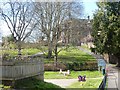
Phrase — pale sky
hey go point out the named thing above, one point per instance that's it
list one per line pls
(89, 8)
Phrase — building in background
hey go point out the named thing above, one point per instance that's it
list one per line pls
(77, 32)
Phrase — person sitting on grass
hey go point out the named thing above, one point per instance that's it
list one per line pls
(84, 78)
(81, 78)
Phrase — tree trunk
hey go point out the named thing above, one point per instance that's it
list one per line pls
(112, 59)
(19, 47)
(118, 63)
(56, 56)
(49, 48)
(49, 52)
(19, 51)
(118, 59)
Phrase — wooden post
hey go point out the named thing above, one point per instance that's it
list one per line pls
(13, 83)
(40, 76)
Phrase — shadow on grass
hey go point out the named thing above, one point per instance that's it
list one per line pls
(35, 84)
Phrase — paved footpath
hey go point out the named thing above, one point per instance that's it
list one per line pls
(61, 82)
(113, 77)
(64, 82)
(113, 72)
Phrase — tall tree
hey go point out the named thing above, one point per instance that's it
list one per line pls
(51, 16)
(106, 31)
(19, 18)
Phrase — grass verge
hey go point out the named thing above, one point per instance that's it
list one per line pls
(34, 84)
(89, 83)
(14, 52)
(73, 74)
(72, 54)
(93, 79)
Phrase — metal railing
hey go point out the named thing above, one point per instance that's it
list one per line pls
(103, 83)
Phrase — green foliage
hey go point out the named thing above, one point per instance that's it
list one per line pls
(84, 65)
(6, 56)
(4, 87)
(10, 38)
(92, 50)
(12, 45)
(107, 21)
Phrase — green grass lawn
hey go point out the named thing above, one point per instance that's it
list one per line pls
(14, 52)
(89, 83)
(34, 84)
(93, 78)
(72, 54)
(73, 74)
(68, 56)
(85, 47)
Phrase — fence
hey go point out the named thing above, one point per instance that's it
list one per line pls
(19, 69)
(103, 83)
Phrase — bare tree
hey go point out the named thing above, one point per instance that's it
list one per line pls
(19, 18)
(51, 16)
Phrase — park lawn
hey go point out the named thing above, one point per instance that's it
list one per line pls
(93, 78)
(35, 84)
(74, 54)
(85, 47)
(89, 83)
(73, 74)
(14, 52)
